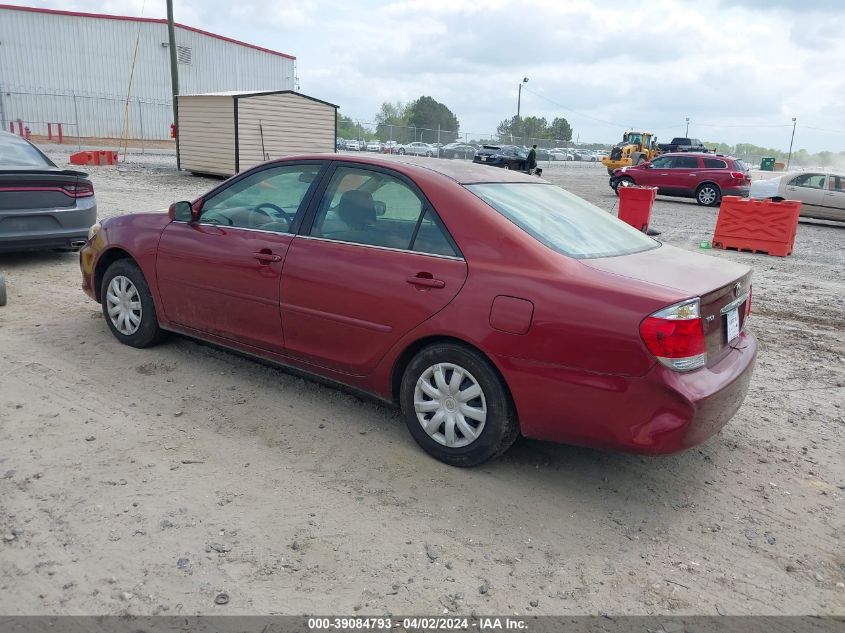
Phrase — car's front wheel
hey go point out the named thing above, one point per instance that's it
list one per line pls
(128, 305)
(506, 165)
(401, 151)
(456, 406)
(708, 195)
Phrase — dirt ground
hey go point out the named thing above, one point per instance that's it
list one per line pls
(149, 481)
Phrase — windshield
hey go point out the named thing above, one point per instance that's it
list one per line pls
(16, 152)
(633, 138)
(562, 221)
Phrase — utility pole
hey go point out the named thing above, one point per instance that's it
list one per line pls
(174, 74)
(790, 144)
(687, 132)
(519, 96)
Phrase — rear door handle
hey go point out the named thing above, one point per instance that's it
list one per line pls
(267, 256)
(426, 282)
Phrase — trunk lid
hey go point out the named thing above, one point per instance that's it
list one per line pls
(722, 286)
(29, 188)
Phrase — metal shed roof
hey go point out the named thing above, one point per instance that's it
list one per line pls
(105, 16)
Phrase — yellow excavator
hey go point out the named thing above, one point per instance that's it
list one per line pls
(635, 148)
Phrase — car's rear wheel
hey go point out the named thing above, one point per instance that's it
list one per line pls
(625, 181)
(708, 195)
(456, 406)
(401, 151)
(429, 154)
(506, 166)
(128, 305)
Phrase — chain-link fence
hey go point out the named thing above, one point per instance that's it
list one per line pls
(44, 113)
(359, 135)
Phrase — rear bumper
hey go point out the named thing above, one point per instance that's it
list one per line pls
(661, 412)
(72, 239)
(742, 192)
(39, 229)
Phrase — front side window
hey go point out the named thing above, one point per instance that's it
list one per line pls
(663, 162)
(563, 221)
(376, 209)
(266, 200)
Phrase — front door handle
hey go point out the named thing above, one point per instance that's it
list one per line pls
(426, 282)
(266, 256)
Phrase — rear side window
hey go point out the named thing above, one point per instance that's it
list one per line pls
(562, 221)
(741, 166)
(715, 163)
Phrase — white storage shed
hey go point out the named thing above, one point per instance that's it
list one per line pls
(223, 133)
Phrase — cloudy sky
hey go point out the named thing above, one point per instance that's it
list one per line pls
(739, 69)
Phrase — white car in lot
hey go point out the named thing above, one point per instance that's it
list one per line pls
(373, 146)
(560, 153)
(352, 146)
(822, 195)
(417, 148)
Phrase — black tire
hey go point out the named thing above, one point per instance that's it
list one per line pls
(500, 428)
(401, 151)
(2, 291)
(506, 166)
(628, 182)
(429, 154)
(708, 195)
(148, 332)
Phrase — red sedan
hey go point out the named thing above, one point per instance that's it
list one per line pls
(486, 303)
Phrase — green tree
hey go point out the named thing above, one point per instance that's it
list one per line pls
(432, 121)
(346, 127)
(560, 130)
(392, 122)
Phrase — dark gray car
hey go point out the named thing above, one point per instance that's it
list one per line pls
(42, 206)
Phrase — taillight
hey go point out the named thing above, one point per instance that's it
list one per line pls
(675, 336)
(79, 190)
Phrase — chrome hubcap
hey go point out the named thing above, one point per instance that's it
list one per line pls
(450, 405)
(707, 195)
(124, 305)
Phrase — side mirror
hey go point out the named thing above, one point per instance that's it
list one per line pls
(647, 165)
(183, 212)
(381, 207)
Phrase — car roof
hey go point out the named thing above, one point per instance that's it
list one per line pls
(462, 172)
(700, 155)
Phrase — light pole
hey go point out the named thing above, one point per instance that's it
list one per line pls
(789, 158)
(519, 97)
(174, 75)
(687, 132)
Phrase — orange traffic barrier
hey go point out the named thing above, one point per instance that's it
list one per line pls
(758, 226)
(96, 157)
(635, 205)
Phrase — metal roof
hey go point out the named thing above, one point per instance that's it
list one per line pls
(105, 16)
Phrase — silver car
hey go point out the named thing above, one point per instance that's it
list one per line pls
(42, 206)
(822, 194)
(418, 148)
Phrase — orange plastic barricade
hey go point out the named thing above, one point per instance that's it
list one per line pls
(635, 206)
(83, 158)
(758, 226)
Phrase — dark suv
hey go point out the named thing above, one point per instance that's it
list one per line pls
(705, 177)
(505, 156)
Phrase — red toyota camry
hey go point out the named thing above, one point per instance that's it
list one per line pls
(485, 302)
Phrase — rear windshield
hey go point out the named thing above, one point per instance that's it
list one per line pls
(562, 221)
(16, 152)
(740, 165)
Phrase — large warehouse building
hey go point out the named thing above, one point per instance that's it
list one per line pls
(75, 69)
